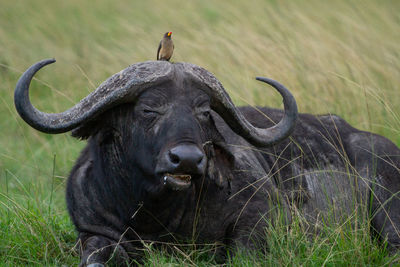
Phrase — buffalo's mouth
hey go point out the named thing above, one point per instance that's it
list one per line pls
(177, 181)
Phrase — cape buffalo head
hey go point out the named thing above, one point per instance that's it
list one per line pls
(154, 120)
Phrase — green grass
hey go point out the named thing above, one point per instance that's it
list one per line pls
(339, 57)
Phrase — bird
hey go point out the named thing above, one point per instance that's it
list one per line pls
(165, 48)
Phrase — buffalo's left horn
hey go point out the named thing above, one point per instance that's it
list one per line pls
(223, 105)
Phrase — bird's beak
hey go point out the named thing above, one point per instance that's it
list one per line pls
(169, 34)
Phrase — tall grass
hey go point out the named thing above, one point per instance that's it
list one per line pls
(336, 57)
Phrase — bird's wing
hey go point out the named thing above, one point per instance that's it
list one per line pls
(158, 51)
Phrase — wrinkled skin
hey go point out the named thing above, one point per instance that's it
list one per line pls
(116, 191)
(118, 200)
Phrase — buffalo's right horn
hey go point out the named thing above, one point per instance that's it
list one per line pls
(118, 89)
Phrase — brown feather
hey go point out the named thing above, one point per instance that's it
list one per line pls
(165, 48)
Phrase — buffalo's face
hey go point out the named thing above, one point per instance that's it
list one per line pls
(171, 123)
(162, 137)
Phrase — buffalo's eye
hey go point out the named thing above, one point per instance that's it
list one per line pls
(151, 112)
(206, 114)
(150, 115)
(203, 114)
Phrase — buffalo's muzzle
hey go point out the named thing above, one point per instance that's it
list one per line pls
(180, 163)
(185, 158)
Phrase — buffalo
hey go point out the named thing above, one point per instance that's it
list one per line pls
(169, 158)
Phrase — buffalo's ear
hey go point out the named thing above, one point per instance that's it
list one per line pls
(220, 165)
(86, 130)
(215, 124)
(220, 160)
(103, 132)
(108, 136)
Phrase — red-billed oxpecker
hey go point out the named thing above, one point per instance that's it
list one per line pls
(165, 48)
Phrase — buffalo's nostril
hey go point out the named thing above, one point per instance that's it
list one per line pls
(186, 158)
(174, 158)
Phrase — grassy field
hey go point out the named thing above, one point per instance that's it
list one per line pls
(339, 57)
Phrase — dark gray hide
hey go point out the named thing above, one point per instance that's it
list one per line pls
(169, 123)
